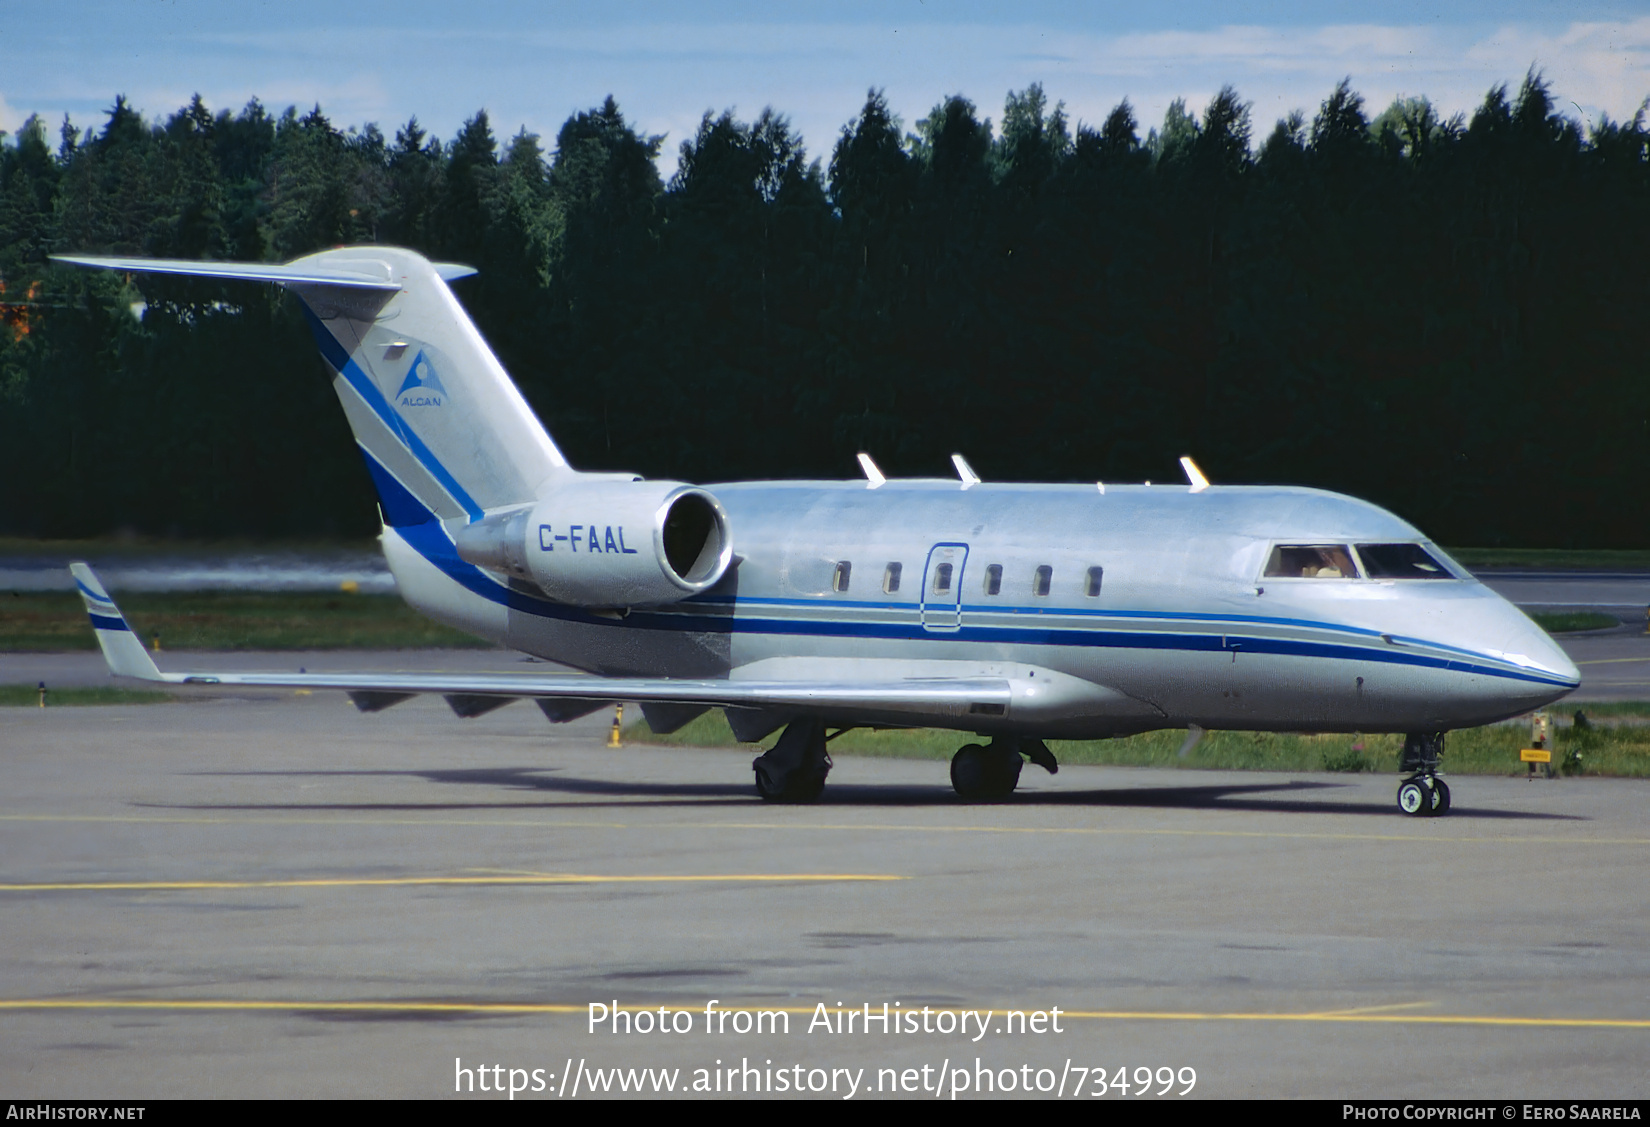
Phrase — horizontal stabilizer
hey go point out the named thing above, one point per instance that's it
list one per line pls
(243, 271)
(279, 273)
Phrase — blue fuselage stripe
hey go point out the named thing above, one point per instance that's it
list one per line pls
(335, 355)
(431, 540)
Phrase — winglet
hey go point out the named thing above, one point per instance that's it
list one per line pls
(1194, 476)
(122, 648)
(873, 476)
(965, 472)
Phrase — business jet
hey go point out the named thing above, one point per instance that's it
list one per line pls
(1015, 613)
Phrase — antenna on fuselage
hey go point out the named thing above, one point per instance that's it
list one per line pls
(1194, 476)
(873, 476)
(965, 471)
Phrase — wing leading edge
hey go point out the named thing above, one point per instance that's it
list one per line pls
(878, 692)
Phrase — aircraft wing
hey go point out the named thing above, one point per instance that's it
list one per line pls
(882, 695)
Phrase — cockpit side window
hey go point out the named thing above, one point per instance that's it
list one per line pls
(1311, 561)
(1401, 561)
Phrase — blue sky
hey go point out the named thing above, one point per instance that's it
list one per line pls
(531, 65)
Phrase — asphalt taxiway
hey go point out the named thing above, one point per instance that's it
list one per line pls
(282, 897)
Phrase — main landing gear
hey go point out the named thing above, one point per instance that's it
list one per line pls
(794, 769)
(1422, 794)
(990, 772)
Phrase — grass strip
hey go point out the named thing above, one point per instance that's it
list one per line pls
(163, 547)
(229, 620)
(27, 696)
(1554, 559)
(1621, 749)
(1562, 622)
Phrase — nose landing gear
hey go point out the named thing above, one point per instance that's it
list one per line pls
(1423, 794)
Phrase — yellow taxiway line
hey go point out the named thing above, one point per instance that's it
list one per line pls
(1343, 1017)
(516, 879)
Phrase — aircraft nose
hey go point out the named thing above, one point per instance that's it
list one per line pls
(1528, 645)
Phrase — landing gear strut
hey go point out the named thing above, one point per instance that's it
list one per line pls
(794, 769)
(987, 773)
(1422, 794)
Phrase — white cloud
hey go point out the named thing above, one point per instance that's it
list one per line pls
(10, 119)
(1602, 67)
(665, 74)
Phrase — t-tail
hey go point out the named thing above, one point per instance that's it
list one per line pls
(474, 489)
(445, 432)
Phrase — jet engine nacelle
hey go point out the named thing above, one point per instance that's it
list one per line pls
(613, 543)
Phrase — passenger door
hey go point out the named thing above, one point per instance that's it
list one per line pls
(942, 580)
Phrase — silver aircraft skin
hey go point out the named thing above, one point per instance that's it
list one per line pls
(1018, 612)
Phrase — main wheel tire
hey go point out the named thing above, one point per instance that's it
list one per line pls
(1006, 764)
(799, 785)
(985, 774)
(1414, 798)
(770, 789)
(968, 772)
(1440, 798)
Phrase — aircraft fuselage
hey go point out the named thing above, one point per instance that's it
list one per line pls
(1157, 594)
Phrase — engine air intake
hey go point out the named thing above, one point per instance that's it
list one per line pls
(608, 542)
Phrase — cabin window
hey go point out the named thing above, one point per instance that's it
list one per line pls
(994, 579)
(942, 579)
(1400, 561)
(1092, 588)
(1311, 561)
(890, 579)
(1042, 580)
(839, 577)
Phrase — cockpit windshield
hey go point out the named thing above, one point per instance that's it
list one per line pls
(1401, 561)
(1311, 561)
(1363, 561)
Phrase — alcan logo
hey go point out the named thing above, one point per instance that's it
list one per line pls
(422, 387)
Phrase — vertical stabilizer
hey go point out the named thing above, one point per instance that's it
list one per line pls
(445, 431)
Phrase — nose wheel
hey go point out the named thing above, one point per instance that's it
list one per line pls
(1423, 794)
